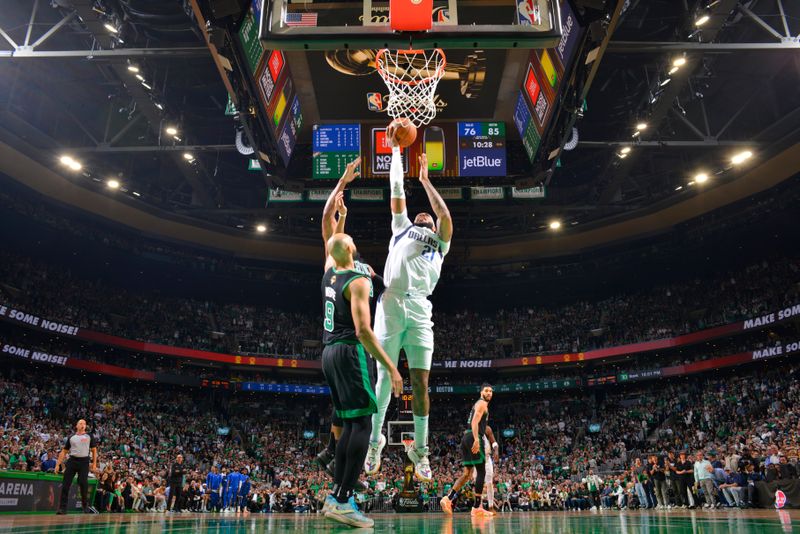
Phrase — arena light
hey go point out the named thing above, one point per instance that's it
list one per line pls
(701, 178)
(110, 27)
(679, 62)
(665, 82)
(261, 228)
(136, 194)
(188, 156)
(555, 225)
(70, 162)
(622, 155)
(113, 184)
(171, 130)
(159, 106)
(702, 19)
(140, 77)
(673, 70)
(741, 157)
(642, 126)
(147, 85)
(679, 188)
(133, 68)
(625, 150)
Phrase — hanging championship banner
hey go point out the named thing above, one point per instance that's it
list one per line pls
(278, 195)
(367, 195)
(318, 195)
(451, 193)
(487, 193)
(528, 192)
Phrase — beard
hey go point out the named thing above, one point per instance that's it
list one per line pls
(428, 225)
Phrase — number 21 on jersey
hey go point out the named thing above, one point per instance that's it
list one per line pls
(428, 252)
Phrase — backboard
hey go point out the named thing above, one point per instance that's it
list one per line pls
(358, 24)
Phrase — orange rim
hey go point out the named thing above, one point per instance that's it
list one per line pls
(394, 79)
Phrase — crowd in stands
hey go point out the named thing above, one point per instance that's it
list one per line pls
(229, 327)
(556, 459)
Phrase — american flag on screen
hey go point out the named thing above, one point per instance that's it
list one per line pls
(301, 19)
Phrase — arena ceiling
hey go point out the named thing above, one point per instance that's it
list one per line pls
(67, 85)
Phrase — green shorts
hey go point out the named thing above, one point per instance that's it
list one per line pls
(350, 374)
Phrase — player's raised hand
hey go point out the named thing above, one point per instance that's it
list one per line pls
(351, 172)
(341, 209)
(391, 133)
(397, 382)
(423, 167)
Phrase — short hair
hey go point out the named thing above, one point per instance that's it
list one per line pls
(486, 385)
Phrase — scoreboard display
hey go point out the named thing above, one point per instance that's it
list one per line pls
(334, 146)
(464, 149)
(482, 148)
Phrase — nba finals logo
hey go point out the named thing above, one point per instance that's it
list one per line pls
(375, 102)
(780, 499)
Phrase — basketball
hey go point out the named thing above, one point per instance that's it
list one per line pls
(404, 131)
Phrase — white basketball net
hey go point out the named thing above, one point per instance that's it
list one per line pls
(412, 77)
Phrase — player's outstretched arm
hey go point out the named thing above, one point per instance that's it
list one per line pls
(341, 210)
(444, 224)
(359, 308)
(329, 222)
(397, 191)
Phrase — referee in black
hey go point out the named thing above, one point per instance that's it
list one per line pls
(177, 474)
(78, 446)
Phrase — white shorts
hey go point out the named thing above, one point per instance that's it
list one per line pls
(405, 323)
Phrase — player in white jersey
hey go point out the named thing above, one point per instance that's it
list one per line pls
(403, 315)
(492, 452)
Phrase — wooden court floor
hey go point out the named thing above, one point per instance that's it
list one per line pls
(677, 521)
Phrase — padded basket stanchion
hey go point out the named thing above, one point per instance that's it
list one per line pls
(411, 15)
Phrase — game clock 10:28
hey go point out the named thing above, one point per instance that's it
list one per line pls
(482, 134)
(482, 148)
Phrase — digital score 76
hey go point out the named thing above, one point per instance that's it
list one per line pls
(482, 148)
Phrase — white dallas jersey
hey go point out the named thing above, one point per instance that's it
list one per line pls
(415, 258)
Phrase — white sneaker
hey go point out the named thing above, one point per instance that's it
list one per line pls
(422, 466)
(372, 464)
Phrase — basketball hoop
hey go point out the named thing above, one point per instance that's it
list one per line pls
(412, 77)
(407, 439)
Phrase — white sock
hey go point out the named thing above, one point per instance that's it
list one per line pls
(421, 432)
(383, 395)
